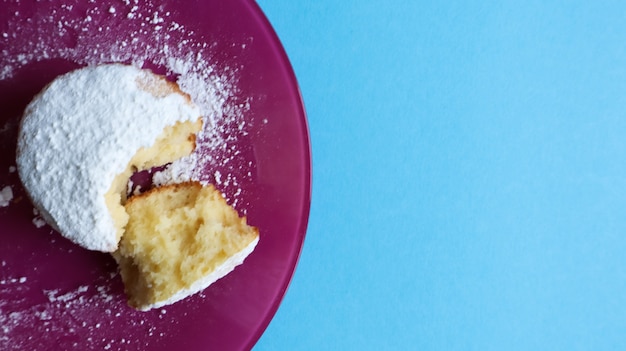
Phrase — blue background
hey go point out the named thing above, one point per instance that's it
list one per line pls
(469, 186)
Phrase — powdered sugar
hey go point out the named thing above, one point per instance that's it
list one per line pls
(6, 195)
(52, 294)
(87, 317)
(150, 37)
(39, 222)
(79, 134)
(147, 35)
(20, 280)
(178, 171)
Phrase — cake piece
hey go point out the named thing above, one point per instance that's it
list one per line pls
(80, 141)
(179, 239)
(85, 134)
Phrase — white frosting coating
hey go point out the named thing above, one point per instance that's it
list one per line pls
(78, 134)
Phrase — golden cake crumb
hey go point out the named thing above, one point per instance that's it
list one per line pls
(179, 239)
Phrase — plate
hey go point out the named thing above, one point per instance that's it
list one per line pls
(55, 295)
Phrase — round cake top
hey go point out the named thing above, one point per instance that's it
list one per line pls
(80, 132)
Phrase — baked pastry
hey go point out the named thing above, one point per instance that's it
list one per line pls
(179, 239)
(84, 135)
(80, 141)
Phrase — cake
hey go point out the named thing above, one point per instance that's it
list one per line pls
(180, 238)
(80, 141)
(84, 135)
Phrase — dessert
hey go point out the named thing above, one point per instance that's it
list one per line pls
(80, 141)
(83, 136)
(179, 239)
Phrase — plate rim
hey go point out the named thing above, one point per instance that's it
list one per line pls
(308, 170)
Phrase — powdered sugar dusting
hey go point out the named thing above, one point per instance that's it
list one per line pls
(88, 317)
(178, 171)
(6, 195)
(151, 37)
(79, 134)
(39, 222)
(90, 314)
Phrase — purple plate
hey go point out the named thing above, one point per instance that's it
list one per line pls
(55, 295)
